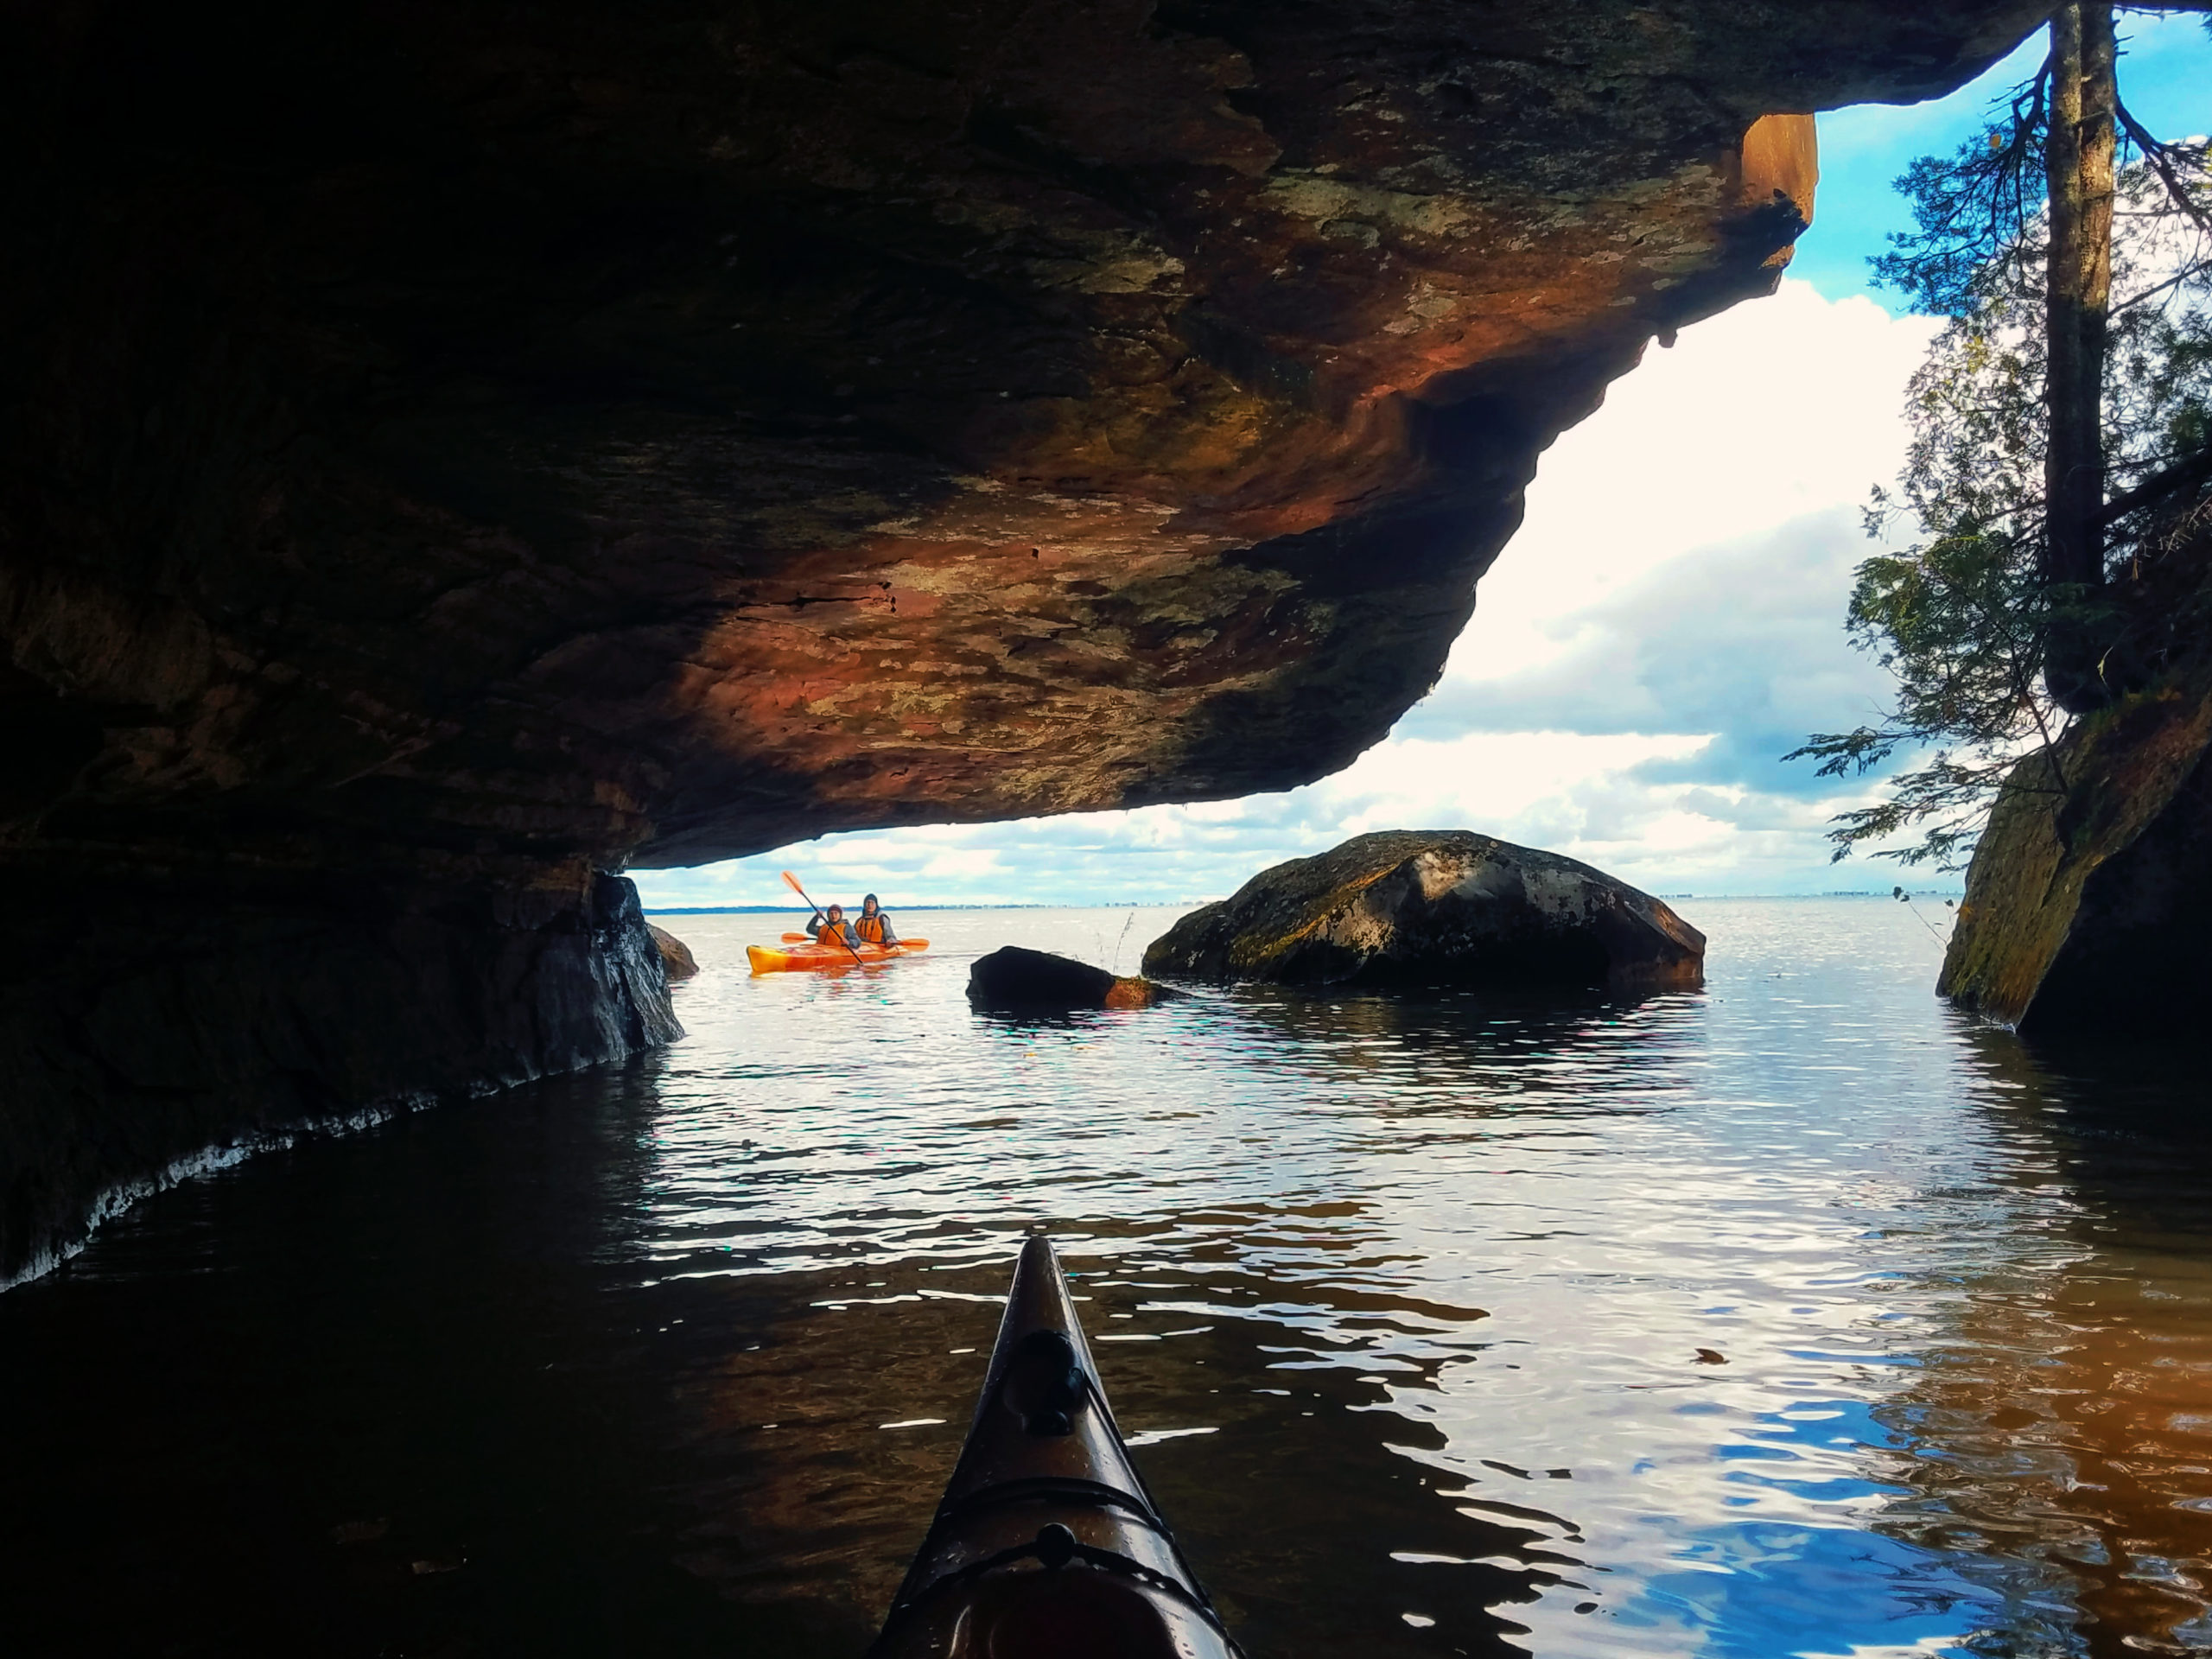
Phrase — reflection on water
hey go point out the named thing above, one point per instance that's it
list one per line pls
(1800, 1316)
(2060, 1429)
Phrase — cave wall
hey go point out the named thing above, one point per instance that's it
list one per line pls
(448, 450)
(158, 1031)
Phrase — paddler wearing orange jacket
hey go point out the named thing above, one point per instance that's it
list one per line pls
(832, 928)
(874, 927)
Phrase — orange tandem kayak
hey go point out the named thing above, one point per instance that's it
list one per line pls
(817, 959)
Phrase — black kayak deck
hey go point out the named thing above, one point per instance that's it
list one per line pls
(1046, 1541)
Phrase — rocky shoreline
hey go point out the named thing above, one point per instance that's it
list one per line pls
(171, 1031)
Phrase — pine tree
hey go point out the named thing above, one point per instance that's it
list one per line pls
(2006, 621)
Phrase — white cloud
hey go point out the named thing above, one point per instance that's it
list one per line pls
(1667, 623)
(1780, 410)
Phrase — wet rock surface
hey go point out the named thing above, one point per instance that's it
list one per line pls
(1015, 979)
(166, 1032)
(1430, 907)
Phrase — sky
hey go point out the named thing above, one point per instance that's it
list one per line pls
(1665, 625)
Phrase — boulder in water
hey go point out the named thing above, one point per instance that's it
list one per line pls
(1015, 980)
(1441, 907)
(674, 954)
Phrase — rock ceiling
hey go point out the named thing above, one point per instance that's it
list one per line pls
(494, 438)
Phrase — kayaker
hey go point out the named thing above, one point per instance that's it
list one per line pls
(832, 928)
(872, 925)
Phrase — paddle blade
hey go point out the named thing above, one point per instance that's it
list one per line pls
(791, 881)
(794, 939)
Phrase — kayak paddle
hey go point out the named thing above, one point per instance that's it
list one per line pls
(791, 881)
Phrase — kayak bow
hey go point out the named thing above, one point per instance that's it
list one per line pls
(1046, 1544)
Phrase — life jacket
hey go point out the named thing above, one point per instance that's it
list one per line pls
(835, 933)
(870, 928)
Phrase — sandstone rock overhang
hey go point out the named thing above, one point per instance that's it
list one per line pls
(480, 437)
(446, 451)
(1436, 907)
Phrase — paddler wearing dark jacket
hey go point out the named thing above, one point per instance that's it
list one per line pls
(832, 929)
(874, 927)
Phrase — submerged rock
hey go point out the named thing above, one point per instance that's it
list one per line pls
(1436, 907)
(674, 954)
(1016, 980)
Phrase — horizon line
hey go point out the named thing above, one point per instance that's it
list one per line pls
(1168, 904)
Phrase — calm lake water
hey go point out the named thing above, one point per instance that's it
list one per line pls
(1800, 1316)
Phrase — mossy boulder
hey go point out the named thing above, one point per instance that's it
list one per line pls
(1435, 906)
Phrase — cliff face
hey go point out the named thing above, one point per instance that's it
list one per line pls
(448, 450)
(2089, 898)
(156, 1030)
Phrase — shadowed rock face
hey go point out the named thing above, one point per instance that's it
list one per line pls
(446, 450)
(583, 434)
(1015, 979)
(2087, 909)
(155, 1032)
(1432, 907)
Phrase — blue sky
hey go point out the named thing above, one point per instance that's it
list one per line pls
(1667, 623)
(2165, 71)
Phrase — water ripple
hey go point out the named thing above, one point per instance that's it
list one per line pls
(1798, 1317)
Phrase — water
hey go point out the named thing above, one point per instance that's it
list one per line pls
(1799, 1317)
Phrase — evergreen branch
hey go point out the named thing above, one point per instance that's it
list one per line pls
(2161, 158)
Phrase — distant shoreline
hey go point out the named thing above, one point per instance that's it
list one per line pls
(785, 910)
(1178, 904)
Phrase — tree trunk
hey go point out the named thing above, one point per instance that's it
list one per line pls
(2078, 162)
